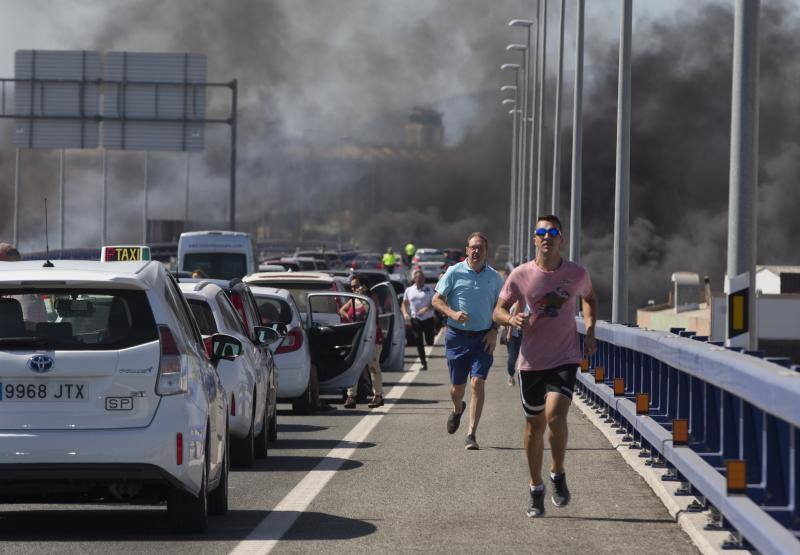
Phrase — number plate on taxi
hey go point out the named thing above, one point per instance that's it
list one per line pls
(44, 391)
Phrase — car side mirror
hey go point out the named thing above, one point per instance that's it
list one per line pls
(279, 327)
(266, 335)
(223, 346)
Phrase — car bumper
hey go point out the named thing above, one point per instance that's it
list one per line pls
(62, 461)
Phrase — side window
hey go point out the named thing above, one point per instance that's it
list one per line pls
(229, 316)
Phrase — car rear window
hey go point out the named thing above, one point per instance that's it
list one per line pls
(203, 316)
(75, 319)
(274, 310)
(299, 291)
(217, 265)
(431, 257)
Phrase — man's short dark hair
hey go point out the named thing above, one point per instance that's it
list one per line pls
(478, 234)
(552, 219)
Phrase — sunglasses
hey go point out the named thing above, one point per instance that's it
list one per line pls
(542, 231)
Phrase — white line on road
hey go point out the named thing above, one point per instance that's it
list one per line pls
(269, 531)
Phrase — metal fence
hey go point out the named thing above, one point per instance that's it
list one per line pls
(740, 408)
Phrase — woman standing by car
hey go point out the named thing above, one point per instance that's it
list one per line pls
(354, 311)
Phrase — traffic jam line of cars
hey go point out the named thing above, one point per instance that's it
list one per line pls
(120, 382)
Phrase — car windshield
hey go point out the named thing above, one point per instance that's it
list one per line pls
(217, 265)
(75, 319)
(430, 257)
(274, 310)
(204, 317)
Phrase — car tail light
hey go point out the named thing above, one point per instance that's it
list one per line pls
(418, 267)
(379, 265)
(444, 266)
(415, 259)
(354, 264)
(233, 405)
(173, 376)
(292, 342)
(179, 449)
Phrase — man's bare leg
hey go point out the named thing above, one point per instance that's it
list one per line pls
(475, 403)
(556, 410)
(534, 446)
(457, 395)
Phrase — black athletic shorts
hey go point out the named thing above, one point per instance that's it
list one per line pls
(534, 385)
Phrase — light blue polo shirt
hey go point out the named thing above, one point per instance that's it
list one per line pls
(473, 292)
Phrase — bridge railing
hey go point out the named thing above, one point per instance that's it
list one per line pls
(738, 406)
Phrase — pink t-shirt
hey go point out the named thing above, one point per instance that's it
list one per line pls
(551, 338)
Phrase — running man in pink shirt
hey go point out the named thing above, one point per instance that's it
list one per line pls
(548, 288)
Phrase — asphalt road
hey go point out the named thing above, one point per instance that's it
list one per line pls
(399, 483)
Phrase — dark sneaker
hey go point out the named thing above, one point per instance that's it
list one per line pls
(350, 403)
(424, 366)
(561, 494)
(454, 419)
(470, 444)
(535, 503)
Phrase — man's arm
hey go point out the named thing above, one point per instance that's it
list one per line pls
(404, 308)
(503, 317)
(440, 304)
(589, 303)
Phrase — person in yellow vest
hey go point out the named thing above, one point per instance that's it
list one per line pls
(409, 254)
(389, 260)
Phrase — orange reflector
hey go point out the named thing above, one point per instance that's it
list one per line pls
(599, 374)
(680, 432)
(619, 387)
(179, 449)
(642, 403)
(736, 476)
(585, 365)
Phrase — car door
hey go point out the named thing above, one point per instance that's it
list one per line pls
(340, 347)
(392, 325)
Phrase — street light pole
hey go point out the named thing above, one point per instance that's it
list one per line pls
(741, 330)
(577, 142)
(513, 204)
(517, 146)
(522, 104)
(556, 199)
(619, 307)
(540, 124)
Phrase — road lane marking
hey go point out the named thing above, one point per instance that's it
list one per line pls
(266, 535)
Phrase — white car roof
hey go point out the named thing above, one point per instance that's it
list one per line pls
(213, 232)
(295, 277)
(200, 290)
(259, 291)
(139, 274)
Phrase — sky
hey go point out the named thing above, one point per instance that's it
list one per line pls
(318, 71)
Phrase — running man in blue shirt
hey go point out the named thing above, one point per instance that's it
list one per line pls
(466, 294)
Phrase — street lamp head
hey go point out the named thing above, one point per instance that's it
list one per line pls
(505, 88)
(513, 111)
(520, 23)
(507, 101)
(519, 47)
(515, 67)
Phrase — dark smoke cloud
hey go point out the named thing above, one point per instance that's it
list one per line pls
(317, 75)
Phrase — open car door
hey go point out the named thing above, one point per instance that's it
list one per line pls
(392, 325)
(341, 336)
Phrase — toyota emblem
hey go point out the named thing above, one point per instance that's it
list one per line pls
(40, 363)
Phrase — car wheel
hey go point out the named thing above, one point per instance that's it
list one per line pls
(263, 438)
(273, 426)
(218, 499)
(303, 404)
(364, 389)
(189, 513)
(244, 454)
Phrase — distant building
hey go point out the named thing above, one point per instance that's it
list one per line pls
(692, 306)
(424, 128)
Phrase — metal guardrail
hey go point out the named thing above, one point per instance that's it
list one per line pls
(738, 407)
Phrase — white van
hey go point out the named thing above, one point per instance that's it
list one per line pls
(219, 254)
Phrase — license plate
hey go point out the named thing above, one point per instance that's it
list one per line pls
(44, 391)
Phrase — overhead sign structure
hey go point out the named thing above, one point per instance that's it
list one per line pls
(59, 92)
(154, 101)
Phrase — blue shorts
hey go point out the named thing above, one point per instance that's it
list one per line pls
(466, 355)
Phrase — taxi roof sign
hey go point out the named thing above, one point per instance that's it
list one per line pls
(125, 253)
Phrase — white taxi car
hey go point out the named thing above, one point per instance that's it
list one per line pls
(107, 392)
(292, 357)
(243, 378)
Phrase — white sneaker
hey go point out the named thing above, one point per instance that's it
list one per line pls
(511, 381)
